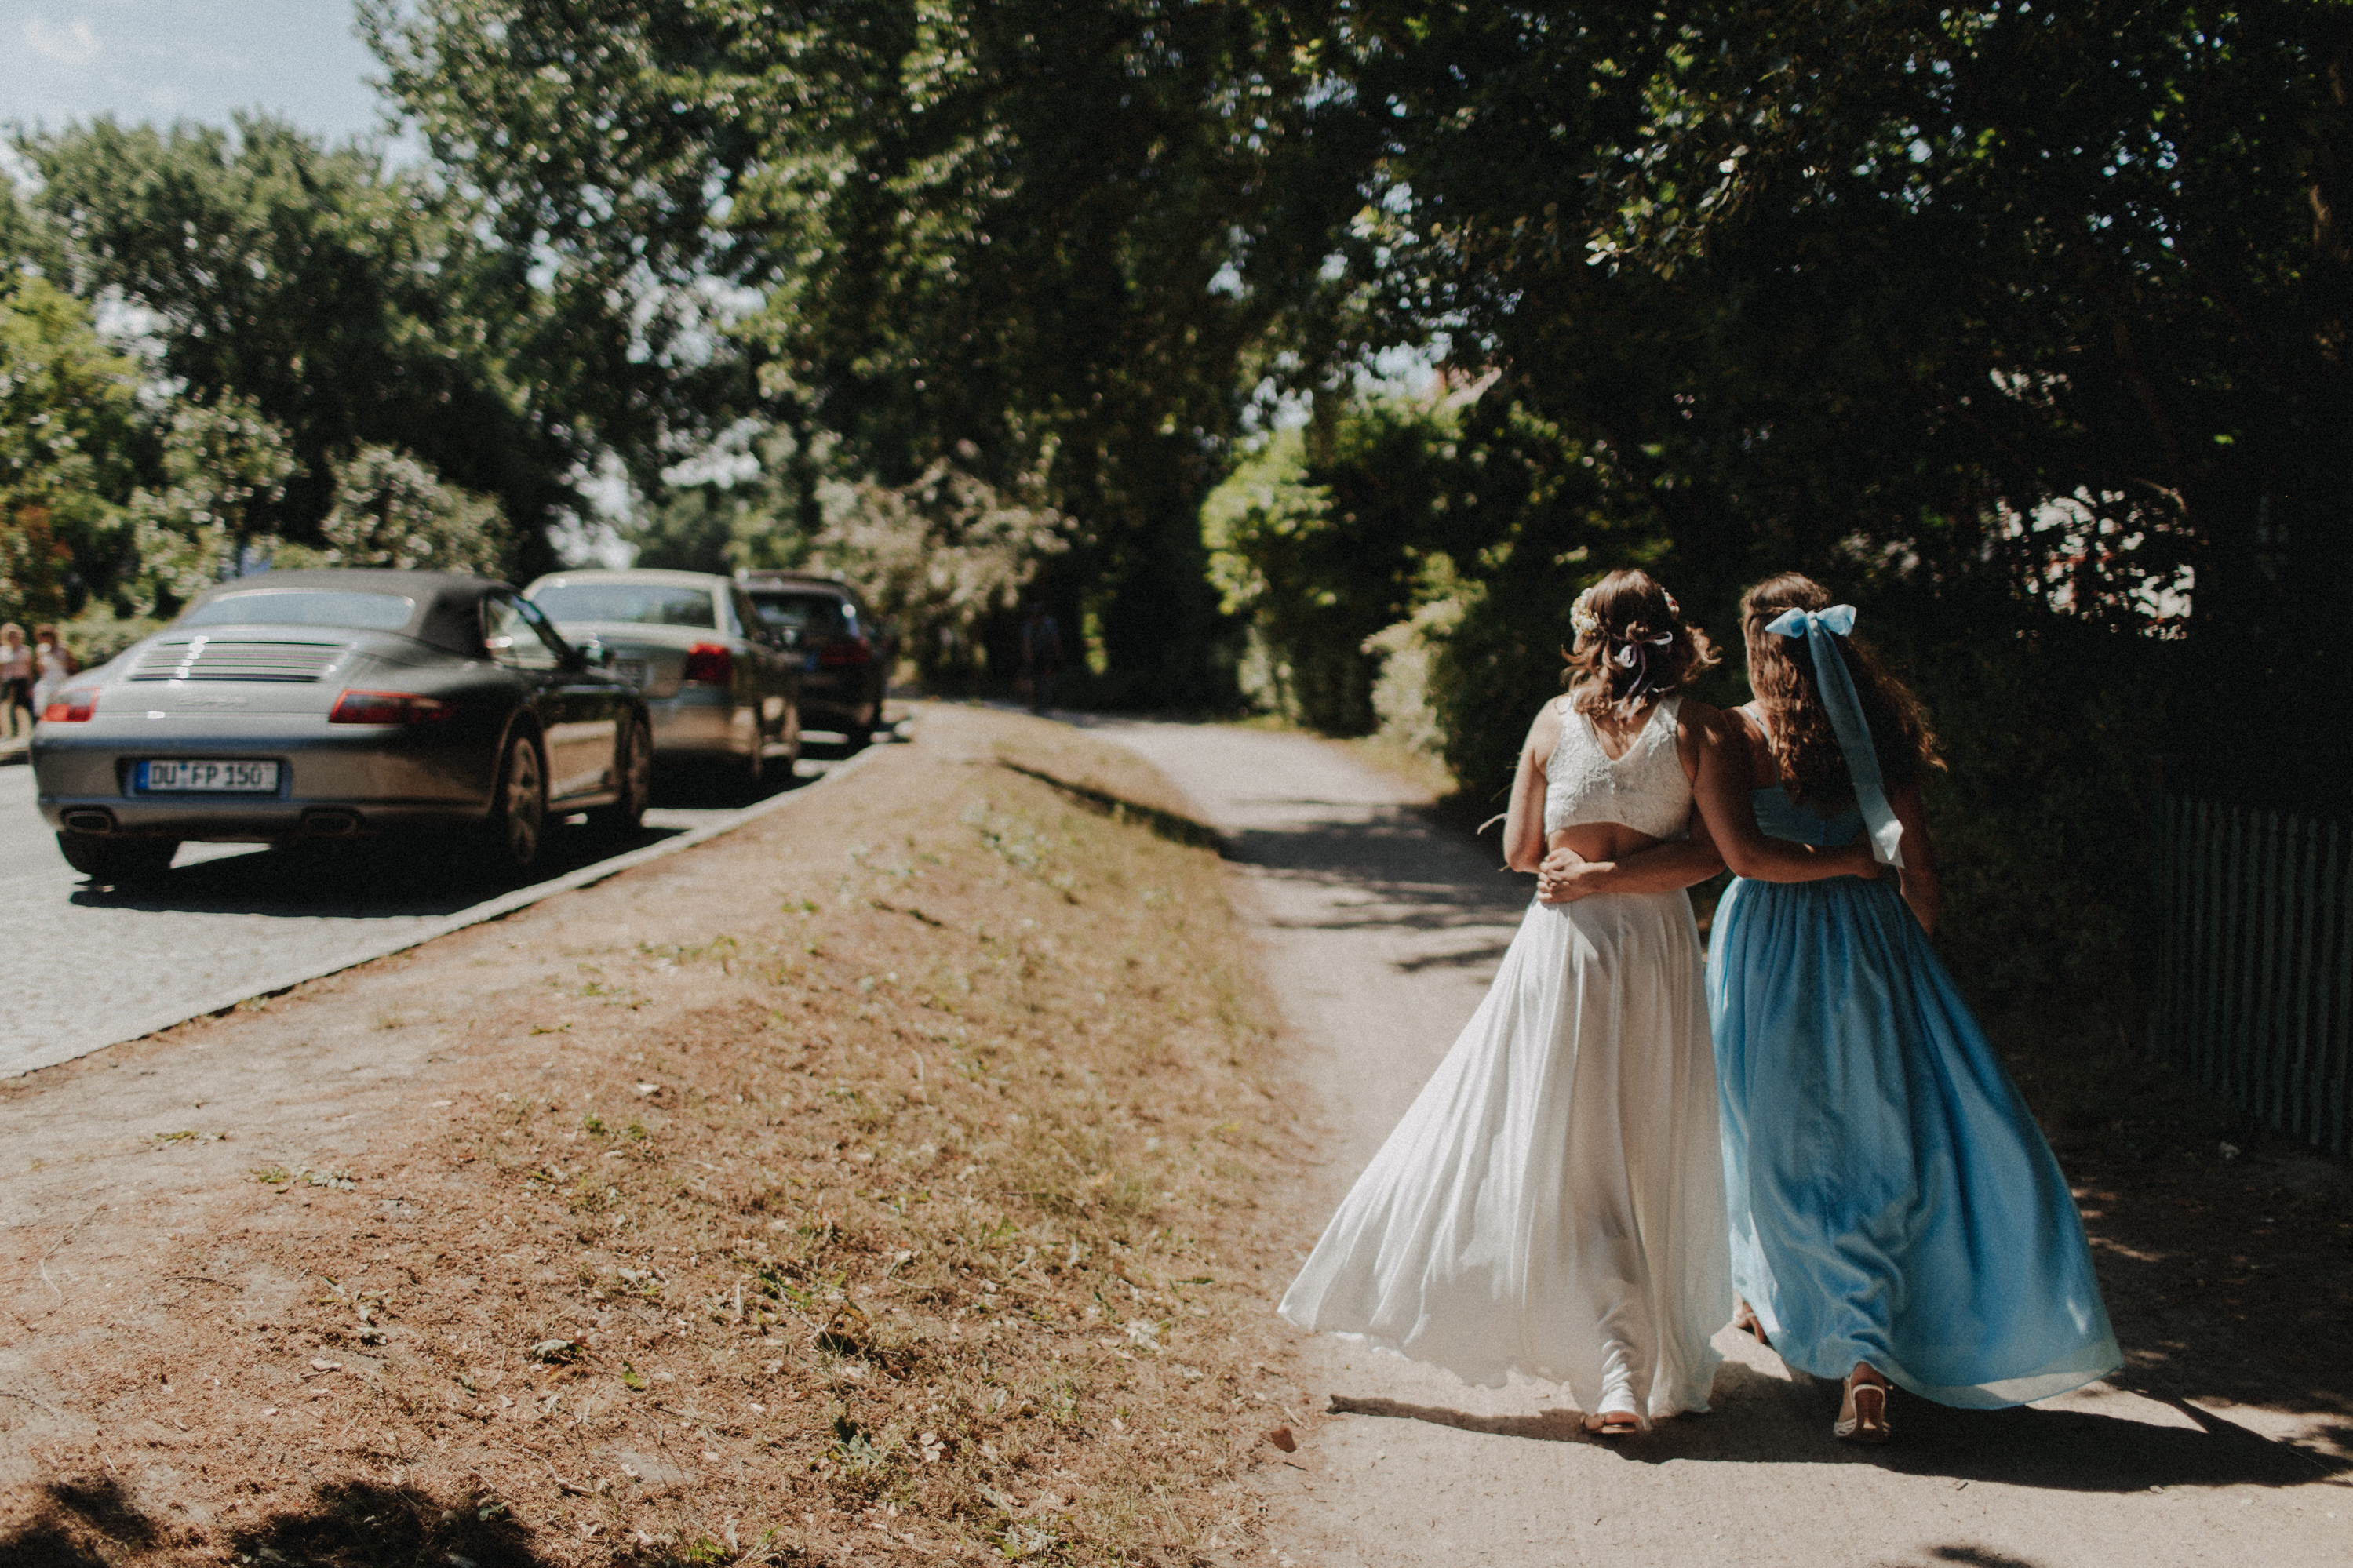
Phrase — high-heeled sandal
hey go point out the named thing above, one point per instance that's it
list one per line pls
(1862, 1412)
(1743, 1318)
(1613, 1423)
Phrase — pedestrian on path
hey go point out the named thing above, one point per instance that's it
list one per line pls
(1896, 1215)
(15, 682)
(1041, 656)
(1552, 1204)
(51, 664)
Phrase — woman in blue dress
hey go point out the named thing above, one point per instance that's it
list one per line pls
(1896, 1215)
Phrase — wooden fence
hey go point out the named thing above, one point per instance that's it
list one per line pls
(2255, 992)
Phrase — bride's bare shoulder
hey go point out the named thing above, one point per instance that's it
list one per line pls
(1543, 729)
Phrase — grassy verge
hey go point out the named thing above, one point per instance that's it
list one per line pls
(894, 1205)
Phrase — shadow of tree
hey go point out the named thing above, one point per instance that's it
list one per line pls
(90, 1523)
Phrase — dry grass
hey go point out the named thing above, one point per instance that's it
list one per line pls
(909, 1218)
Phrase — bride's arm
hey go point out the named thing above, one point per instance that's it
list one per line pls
(1524, 832)
(1723, 791)
(1663, 867)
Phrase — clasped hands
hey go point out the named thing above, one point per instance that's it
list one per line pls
(1566, 876)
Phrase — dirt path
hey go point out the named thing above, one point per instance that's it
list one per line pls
(1380, 932)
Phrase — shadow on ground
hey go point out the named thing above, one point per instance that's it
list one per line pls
(412, 875)
(89, 1522)
(1763, 1420)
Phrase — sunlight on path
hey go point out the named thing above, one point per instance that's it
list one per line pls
(1379, 932)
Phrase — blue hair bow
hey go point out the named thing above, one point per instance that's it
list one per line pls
(1818, 627)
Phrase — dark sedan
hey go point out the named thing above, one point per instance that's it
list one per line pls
(847, 649)
(329, 704)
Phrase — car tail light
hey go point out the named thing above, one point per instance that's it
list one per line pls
(70, 706)
(356, 707)
(847, 654)
(711, 663)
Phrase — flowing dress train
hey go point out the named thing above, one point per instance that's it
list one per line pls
(1552, 1204)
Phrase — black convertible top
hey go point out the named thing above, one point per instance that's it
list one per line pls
(448, 603)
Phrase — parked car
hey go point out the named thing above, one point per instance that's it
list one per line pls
(846, 652)
(720, 685)
(334, 703)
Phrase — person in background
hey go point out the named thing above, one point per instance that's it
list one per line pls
(15, 680)
(1041, 656)
(51, 664)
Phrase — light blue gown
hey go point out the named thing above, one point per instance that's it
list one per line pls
(1891, 1201)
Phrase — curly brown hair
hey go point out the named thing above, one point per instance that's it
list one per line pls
(1641, 648)
(1781, 672)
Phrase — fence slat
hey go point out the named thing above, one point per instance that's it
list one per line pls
(2271, 977)
(2211, 957)
(2254, 947)
(2304, 1104)
(2336, 991)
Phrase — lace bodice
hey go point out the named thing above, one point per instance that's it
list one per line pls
(1646, 789)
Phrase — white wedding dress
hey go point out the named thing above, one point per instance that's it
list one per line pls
(1552, 1204)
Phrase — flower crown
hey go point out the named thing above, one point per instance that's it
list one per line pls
(1585, 622)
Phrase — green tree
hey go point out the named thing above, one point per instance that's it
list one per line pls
(1991, 309)
(349, 303)
(1053, 231)
(393, 511)
(224, 469)
(68, 425)
(942, 556)
(1317, 539)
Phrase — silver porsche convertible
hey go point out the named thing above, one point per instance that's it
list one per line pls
(335, 703)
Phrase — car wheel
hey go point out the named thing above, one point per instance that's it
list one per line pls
(635, 769)
(518, 817)
(120, 862)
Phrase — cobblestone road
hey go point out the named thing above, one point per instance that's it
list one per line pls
(81, 969)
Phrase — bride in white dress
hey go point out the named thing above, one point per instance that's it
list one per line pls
(1552, 1204)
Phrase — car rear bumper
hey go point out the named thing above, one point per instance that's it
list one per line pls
(345, 781)
(702, 723)
(840, 699)
(222, 821)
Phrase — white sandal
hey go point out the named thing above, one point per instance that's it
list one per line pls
(1862, 1413)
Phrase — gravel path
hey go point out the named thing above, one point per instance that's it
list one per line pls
(1381, 932)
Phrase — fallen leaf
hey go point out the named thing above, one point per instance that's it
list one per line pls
(1282, 1438)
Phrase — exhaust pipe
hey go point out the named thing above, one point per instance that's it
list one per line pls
(331, 823)
(91, 821)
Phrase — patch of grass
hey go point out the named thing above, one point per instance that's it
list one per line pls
(931, 1227)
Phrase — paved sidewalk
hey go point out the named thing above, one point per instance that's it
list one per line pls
(1380, 934)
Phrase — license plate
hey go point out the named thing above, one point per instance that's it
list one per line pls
(629, 671)
(204, 778)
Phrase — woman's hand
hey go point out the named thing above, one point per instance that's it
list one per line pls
(1857, 860)
(1565, 876)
